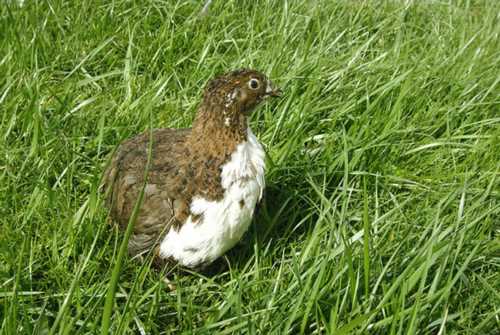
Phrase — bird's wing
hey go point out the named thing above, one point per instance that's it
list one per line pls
(162, 203)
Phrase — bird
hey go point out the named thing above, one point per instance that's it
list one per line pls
(202, 183)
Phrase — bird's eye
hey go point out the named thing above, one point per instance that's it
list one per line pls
(254, 84)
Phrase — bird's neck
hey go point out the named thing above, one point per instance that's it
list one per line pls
(218, 132)
(209, 146)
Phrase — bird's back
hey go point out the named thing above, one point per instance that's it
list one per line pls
(124, 179)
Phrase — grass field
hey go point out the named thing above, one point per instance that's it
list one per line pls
(382, 210)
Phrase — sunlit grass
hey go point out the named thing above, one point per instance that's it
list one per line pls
(383, 201)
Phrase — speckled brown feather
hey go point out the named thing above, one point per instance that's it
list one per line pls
(185, 162)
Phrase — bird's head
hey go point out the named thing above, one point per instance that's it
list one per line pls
(240, 91)
(222, 118)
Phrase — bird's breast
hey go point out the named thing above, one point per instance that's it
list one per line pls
(221, 223)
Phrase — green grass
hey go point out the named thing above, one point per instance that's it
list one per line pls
(382, 208)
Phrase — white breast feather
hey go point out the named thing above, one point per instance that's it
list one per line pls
(223, 222)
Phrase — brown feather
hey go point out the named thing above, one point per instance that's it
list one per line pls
(185, 162)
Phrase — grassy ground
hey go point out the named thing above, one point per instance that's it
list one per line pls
(383, 202)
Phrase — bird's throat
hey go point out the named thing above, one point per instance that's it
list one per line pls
(220, 128)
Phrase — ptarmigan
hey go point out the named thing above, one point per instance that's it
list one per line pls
(203, 183)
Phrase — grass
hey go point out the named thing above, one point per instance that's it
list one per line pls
(382, 209)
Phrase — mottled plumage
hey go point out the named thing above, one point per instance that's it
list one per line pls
(187, 192)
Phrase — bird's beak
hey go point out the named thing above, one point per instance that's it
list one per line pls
(271, 90)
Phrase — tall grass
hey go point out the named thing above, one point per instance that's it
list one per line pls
(382, 209)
